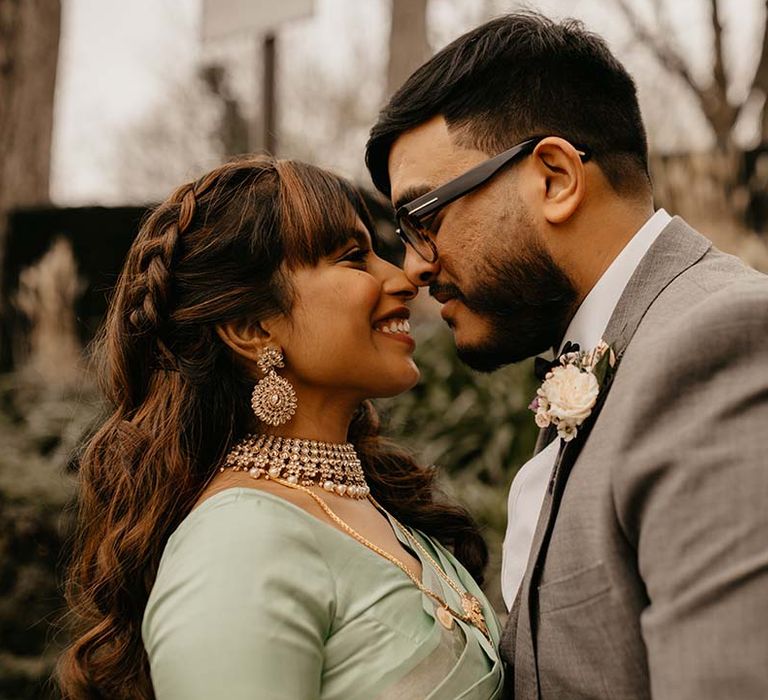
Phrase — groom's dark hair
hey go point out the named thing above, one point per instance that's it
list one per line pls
(523, 75)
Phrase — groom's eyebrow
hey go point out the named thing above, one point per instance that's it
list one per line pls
(410, 194)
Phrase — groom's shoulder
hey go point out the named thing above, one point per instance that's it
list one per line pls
(719, 290)
(703, 339)
(717, 272)
(719, 306)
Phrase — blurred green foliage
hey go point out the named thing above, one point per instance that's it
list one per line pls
(40, 427)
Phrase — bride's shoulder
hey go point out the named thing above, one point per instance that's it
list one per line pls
(236, 554)
(234, 517)
(230, 485)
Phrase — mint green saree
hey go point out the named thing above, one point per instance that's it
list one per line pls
(256, 599)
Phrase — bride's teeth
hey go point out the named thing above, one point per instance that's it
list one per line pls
(395, 326)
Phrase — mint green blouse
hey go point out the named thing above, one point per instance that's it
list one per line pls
(256, 599)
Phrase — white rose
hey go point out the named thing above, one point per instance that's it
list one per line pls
(571, 394)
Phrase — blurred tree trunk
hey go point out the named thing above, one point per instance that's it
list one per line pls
(29, 51)
(408, 46)
(233, 126)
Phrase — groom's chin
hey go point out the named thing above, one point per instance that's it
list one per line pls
(482, 359)
(499, 348)
(477, 346)
(488, 359)
(487, 342)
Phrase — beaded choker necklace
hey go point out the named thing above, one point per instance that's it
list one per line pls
(334, 466)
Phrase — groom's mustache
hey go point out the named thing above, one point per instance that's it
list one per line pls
(481, 301)
(444, 292)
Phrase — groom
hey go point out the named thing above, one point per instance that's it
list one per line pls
(636, 559)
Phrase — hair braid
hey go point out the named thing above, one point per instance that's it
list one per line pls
(155, 257)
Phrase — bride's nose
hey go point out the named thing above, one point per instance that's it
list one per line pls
(397, 284)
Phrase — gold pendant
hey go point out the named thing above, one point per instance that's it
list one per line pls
(445, 617)
(474, 612)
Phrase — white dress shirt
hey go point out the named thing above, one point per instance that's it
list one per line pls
(586, 328)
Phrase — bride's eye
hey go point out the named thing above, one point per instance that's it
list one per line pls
(357, 256)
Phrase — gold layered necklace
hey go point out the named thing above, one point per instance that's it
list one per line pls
(333, 466)
(245, 457)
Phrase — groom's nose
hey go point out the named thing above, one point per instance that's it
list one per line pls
(419, 271)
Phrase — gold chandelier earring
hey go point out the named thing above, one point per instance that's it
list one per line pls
(273, 399)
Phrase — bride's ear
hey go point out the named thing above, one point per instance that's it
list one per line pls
(246, 338)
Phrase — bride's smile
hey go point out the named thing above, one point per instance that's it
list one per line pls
(348, 333)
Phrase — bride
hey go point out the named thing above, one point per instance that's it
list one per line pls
(244, 532)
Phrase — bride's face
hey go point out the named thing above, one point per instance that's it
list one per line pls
(348, 332)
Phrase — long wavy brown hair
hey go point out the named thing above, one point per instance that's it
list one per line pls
(218, 249)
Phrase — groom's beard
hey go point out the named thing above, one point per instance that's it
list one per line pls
(527, 303)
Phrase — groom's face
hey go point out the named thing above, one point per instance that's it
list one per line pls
(503, 294)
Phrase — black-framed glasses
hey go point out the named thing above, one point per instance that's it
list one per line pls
(412, 217)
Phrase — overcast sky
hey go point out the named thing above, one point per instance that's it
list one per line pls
(118, 58)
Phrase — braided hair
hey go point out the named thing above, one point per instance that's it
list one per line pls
(155, 256)
(218, 250)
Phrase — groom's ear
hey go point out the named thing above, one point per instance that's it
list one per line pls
(562, 180)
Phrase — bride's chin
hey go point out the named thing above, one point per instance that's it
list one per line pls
(399, 385)
(414, 374)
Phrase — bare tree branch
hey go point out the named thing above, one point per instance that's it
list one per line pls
(662, 21)
(712, 99)
(724, 114)
(720, 81)
(664, 53)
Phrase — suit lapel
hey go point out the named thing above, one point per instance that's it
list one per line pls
(677, 248)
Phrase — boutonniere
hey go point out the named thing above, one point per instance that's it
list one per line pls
(570, 389)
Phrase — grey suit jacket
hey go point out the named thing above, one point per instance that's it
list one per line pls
(648, 574)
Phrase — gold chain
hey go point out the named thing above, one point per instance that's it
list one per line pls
(419, 546)
(471, 605)
(473, 616)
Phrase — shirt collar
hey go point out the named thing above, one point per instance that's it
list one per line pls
(592, 317)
